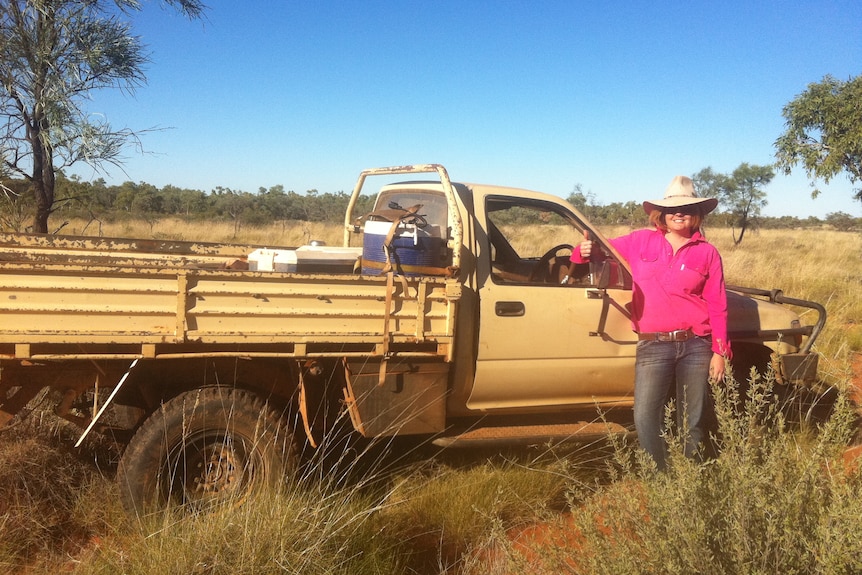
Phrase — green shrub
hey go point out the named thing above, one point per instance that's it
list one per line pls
(776, 499)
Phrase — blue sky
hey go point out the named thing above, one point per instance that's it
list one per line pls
(616, 96)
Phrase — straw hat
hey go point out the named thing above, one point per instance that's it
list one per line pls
(680, 192)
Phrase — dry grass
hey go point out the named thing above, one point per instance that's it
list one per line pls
(282, 234)
(52, 502)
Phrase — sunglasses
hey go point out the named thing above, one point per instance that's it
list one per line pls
(684, 210)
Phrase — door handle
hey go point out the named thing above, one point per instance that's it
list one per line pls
(595, 293)
(509, 308)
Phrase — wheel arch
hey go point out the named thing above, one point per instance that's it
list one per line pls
(747, 355)
(156, 382)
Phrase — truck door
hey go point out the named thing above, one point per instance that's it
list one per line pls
(547, 337)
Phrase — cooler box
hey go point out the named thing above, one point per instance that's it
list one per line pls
(325, 259)
(267, 260)
(414, 251)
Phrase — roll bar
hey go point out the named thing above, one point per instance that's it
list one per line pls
(457, 231)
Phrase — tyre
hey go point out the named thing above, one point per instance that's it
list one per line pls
(205, 447)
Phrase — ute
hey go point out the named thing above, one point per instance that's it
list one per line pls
(450, 312)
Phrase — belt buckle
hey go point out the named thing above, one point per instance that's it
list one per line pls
(679, 335)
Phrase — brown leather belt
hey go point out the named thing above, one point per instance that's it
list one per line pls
(678, 335)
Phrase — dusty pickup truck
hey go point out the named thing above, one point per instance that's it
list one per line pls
(451, 311)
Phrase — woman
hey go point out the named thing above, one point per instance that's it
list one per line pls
(679, 310)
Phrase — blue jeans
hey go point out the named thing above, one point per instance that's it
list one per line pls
(658, 365)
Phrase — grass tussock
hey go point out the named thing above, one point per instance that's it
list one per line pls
(51, 503)
(419, 518)
(289, 531)
(392, 515)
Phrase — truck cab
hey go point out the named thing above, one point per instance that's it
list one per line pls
(541, 339)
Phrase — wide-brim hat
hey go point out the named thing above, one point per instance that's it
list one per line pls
(679, 193)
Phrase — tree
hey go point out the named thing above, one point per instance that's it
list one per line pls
(15, 204)
(740, 192)
(629, 213)
(584, 202)
(181, 202)
(53, 54)
(237, 205)
(842, 221)
(824, 132)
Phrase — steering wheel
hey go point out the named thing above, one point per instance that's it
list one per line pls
(541, 271)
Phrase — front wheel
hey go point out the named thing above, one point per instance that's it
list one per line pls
(205, 447)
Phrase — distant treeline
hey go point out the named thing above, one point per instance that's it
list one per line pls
(98, 201)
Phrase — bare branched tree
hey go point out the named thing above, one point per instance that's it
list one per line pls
(740, 194)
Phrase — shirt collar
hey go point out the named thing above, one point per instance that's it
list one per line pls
(695, 237)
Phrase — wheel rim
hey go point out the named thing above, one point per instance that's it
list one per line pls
(210, 466)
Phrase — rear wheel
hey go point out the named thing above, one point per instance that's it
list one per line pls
(205, 447)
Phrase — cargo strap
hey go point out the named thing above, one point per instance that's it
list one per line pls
(411, 269)
(387, 314)
(387, 336)
(396, 215)
(399, 216)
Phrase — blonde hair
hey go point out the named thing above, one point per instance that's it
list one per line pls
(656, 218)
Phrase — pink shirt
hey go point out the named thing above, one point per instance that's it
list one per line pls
(675, 291)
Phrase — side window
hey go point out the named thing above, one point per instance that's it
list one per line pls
(532, 242)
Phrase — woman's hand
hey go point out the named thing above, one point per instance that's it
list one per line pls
(717, 367)
(585, 248)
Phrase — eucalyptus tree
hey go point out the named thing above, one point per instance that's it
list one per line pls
(740, 194)
(53, 55)
(823, 132)
(843, 222)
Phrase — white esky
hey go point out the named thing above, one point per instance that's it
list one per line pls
(616, 96)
